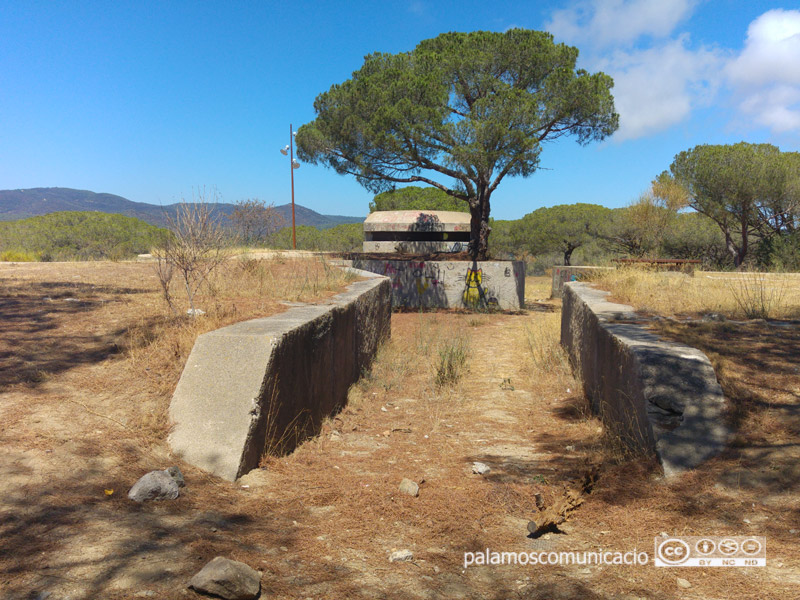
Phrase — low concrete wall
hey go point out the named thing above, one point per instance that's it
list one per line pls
(562, 275)
(452, 284)
(657, 395)
(268, 383)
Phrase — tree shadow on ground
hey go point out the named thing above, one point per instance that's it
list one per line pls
(33, 319)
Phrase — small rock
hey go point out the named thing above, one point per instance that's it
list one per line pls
(570, 448)
(176, 474)
(155, 485)
(409, 487)
(144, 594)
(480, 468)
(227, 579)
(384, 409)
(401, 556)
(195, 312)
(683, 583)
(713, 317)
(793, 531)
(585, 571)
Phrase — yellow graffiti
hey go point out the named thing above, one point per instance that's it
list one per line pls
(421, 287)
(472, 295)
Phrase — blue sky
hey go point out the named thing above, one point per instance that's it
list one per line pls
(152, 100)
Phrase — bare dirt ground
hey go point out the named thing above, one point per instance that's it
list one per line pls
(82, 408)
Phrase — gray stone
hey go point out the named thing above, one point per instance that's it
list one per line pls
(155, 485)
(176, 474)
(480, 468)
(655, 395)
(227, 579)
(270, 380)
(409, 487)
(401, 556)
(713, 317)
(683, 583)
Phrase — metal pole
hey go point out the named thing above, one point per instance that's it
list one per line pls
(291, 169)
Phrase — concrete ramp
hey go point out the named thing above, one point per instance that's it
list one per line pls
(657, 395)
(267, 384)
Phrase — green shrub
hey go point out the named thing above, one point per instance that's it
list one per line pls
(74, 235)
(17, 256)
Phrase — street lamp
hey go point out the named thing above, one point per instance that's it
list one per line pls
(288, 150)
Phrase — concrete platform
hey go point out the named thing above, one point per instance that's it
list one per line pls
(452, 283)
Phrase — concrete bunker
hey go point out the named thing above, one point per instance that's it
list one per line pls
(424, 255)
(416, 231)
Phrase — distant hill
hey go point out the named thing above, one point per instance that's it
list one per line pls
(34, 202)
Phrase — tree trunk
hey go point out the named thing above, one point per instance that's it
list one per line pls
(479, 225)
(568, 254)
(743, 247)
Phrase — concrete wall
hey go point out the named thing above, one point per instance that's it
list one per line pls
(562, 275)
(268, 383)
(657, 395)
(407, 247)
(452, 284)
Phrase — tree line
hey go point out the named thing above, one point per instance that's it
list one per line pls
(727, 205)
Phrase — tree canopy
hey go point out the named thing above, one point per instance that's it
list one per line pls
(415, 197)
(562, 228)
(744, 188)
(466, 108)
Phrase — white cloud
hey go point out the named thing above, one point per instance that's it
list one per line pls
(658, 77)
(658, 87)
(766, 75)
(609, 22)
(661, 77)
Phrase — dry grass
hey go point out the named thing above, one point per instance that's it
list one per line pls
(735, 295)
(321, 522)
(150, 340)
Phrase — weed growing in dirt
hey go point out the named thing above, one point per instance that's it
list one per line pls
(452, 364)
(758, 298)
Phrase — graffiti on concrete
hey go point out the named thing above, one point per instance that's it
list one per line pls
(473, 294)
(418, 283)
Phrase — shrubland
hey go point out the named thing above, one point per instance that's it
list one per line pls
(74, 235)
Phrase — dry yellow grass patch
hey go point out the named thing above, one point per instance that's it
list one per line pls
(735, 295)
